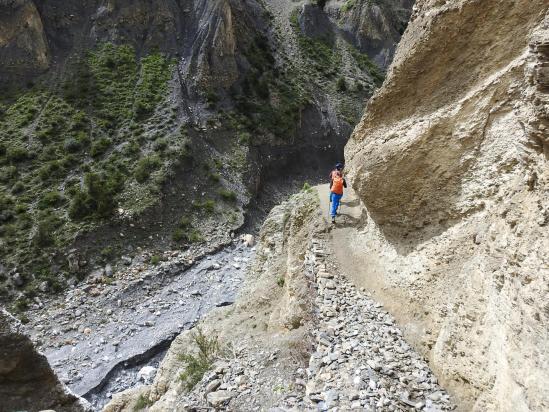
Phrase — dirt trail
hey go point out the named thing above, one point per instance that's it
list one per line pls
(363, 270)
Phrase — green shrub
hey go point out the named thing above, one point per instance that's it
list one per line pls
(244, 138)
(142, 403)
(207, 206)
(185, 232)
(160, 145)
(341, 84)
(21, 304)
(99, 147)
(21, 208)
(349, 5)
(280, 281)
(211, 98)
(98, 198)
(71, 145)
(50, 199)
(7, 173)
(107, 252)
(155, 260)
(81, 205)
(50, 170)
(6, 208)
(197, 364)
(145, 166)
(132, 148)
(44, 235)
(16, 154)
(184, 222)
(178, 235)
(194, 236)
(227, 195)
(214, 177)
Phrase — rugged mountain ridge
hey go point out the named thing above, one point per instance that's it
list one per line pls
(450, 160)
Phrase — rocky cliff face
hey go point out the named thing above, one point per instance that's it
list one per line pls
(375, 27)
(451, 163)
(27, 381)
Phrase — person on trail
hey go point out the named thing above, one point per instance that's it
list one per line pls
(337, 183)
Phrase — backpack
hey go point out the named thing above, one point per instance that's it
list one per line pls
(337, 185)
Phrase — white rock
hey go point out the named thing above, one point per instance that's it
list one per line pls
(248, 240)
(146, 374)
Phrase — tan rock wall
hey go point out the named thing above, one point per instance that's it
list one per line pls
(27, 382)
(23, 44)
(451, 162)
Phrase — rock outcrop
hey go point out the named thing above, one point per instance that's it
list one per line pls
(23, 43)
(375, 27)
(451, 163)
(27, 381)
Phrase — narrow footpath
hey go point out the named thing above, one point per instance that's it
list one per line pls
(361, 361)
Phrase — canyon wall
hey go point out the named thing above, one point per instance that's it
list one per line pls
(451, 163)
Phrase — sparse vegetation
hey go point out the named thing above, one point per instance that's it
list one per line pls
(227, 195)
(185, 232)
(200, 361)
(64, 153)
(142, 403)
(207, 205)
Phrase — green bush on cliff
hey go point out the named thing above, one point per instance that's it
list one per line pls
(202, 360)
(98, 196)
(145, 167)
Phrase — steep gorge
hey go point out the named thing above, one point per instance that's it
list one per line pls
(128, 125)
(135, 138)
(448, 230)
(446, 225)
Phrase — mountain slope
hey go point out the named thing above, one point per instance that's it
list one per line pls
(131, 124)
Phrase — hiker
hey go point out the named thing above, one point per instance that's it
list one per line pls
(337, 183)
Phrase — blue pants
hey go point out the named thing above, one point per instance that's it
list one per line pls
(334, 198)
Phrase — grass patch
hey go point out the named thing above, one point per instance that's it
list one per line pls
(142, 402)
(207, 205)
(198, 363)
(227, 195)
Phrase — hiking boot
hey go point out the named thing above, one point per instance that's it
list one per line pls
(333, 219)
